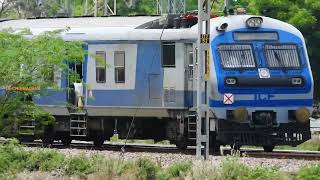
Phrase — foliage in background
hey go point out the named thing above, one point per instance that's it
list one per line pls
(31, 62)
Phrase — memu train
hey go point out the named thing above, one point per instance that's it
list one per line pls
(261, 85)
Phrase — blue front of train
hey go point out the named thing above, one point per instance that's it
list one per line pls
(261, 85)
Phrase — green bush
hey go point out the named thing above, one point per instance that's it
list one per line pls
(262, 173)
(12, 157)
(128, 170)
(79, 165)
(45, 160)
(179, 169)
(203, 170)
(146, 169)
(106, 167)
(309, 173)
(231, 168)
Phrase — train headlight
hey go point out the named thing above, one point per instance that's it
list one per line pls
(240, 115)
(230, 81)
(254, 22)
(223, 27)
(302, 115)
(297, 81)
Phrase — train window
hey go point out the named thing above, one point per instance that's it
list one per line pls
(100, 67)
(168, 55)
(282, 56)
(236, 56)
(119, 66)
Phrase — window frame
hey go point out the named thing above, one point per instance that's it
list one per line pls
(162, 56)
(283, 68)
(257, 32)
(119, 67)
(190, 66)
(238, 68)
(104, 67)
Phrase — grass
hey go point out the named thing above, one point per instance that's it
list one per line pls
(14, 159)
(115, 139)
(310, 145)
(309, 173)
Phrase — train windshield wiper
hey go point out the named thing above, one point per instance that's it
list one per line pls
(282, 66)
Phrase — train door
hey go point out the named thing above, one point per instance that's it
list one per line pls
(77, 69)
(173, 61)
(189, 75)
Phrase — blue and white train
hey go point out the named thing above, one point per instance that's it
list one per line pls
(261, 86)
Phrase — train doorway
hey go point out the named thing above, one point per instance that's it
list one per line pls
(75, 83)
(189, 75)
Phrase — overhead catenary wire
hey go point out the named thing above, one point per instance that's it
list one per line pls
(121, 155)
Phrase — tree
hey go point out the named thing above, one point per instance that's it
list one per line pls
(26, 70)
(5, 6)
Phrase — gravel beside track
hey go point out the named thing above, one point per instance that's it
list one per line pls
(166, 159)
(166, 155)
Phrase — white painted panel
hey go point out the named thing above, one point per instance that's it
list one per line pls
(130, 66)
(174, 76)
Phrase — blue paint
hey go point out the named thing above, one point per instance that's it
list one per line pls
(264, 103)
(284, 37)
(52, 97)
(148, 63)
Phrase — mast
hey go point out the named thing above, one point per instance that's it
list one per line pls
(204, 12)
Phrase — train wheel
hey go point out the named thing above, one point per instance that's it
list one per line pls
(181, 142)
(214, 145)
(268, 148)
(47, 141)
(235, 147)
(66, 141)
(98, 142)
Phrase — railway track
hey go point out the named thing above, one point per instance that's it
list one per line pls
(282, 154)
(116, 147)
(247, 152)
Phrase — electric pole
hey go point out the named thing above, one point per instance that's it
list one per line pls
(171, 6)
(96, 8)
(204, 12)
(85, 7)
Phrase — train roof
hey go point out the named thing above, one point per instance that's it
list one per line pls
(81, 22)
(127, 28)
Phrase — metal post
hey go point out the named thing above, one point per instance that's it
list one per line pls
(95, 8)
(202, 84)
(171, 5)
(86, 7)
(226, 3)
(159, 7)
(226, 7)
(67, 7)
(115, 7)
(106, 7)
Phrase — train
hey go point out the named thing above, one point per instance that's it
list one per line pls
(261, 85)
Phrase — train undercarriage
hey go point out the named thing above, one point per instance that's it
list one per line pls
(180, 131)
